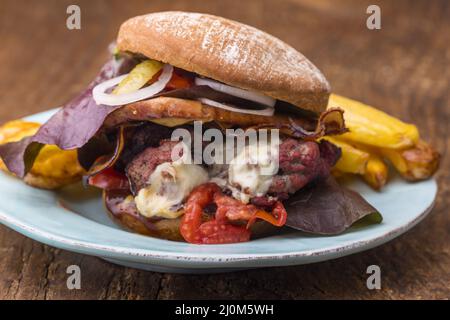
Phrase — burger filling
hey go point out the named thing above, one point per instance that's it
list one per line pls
(161, 188)
(121, 126)
(250, 187)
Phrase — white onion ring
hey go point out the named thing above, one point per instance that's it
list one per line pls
(267, 112)
(237, 92)
(109, 99)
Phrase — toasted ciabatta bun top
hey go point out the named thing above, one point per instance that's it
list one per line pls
(227, 51)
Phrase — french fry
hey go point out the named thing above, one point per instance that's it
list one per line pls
(55, 163)
(376, 173)
(16, 130)
(53, 168)
(361, 160)
(419, 162)
(352, 160)
(372, 127)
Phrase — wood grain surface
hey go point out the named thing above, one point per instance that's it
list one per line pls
(404, 68)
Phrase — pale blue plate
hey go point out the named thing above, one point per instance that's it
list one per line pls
(74, 219)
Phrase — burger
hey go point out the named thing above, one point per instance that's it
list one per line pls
(173, 71)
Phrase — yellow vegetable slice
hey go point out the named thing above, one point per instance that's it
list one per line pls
(373, 127)
(138, 77)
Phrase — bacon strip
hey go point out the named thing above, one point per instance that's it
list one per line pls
(329, 122)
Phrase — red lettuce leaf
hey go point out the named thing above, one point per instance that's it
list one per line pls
(327, 208)
(70, 128)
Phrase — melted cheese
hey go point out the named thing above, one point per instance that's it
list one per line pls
(169, 185)
(250, 173)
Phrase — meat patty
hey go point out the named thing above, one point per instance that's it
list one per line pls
(146, 135)
(301, 162)
(142, 166)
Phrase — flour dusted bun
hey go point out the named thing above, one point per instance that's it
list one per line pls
(227, 51)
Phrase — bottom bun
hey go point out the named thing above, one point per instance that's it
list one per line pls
(164, 229)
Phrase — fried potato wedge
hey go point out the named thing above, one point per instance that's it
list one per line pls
(352, 160)
(417, 163)
(373, 127)
(376, 173)
(356, 159)
(53, 167)
(16, 130)
(381, 137)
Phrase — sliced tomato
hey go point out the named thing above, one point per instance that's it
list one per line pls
(109, 179)
(219, 232)
(215, 231)
(277, 217)
(178, 82)
(220, 229)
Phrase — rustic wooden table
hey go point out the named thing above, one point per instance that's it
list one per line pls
(402, 68)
